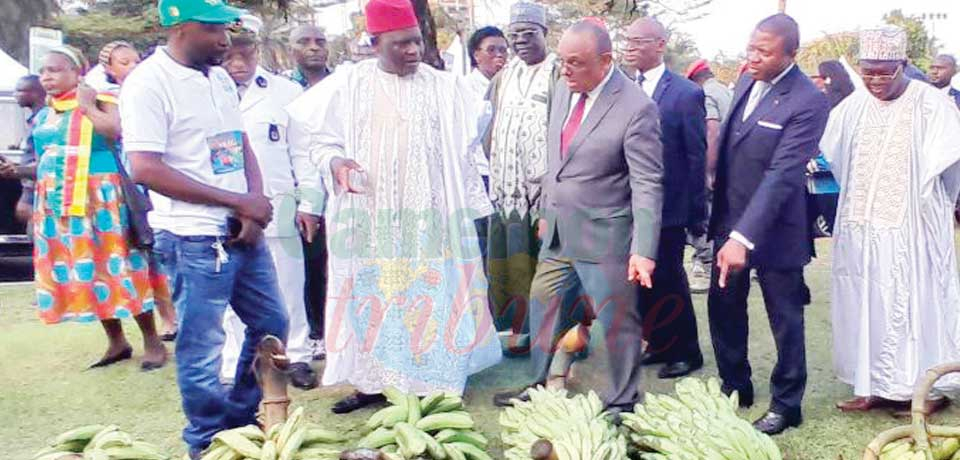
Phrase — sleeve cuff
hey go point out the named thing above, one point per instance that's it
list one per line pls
(144, 146)
(737, 236)
(308, 208)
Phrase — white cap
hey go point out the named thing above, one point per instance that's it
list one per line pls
(251, 23)
(888, 43)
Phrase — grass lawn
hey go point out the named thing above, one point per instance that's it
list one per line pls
(44, 389)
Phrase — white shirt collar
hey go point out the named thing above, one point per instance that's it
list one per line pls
(653, 75)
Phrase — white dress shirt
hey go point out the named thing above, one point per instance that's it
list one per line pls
(759, 90)
(651, 78)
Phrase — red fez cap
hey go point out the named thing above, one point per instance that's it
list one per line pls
(696, 67)
(596, 21)
(389, 15)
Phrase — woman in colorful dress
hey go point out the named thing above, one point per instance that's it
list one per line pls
(119, 58)
(86, 268)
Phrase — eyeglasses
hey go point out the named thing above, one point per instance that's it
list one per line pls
(493, 49)
(526, 34)
(635, 42)
(882, 78)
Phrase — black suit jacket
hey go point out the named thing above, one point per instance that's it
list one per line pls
(684, 138)
(955, 94)
(760, 190)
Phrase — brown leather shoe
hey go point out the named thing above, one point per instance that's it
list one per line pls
(865, 404)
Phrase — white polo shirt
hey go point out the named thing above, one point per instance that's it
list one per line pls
(194, 122)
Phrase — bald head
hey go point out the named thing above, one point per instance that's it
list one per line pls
(947, 59)
(648, 27)
(309, 46)
(942, 70)
(307, 30)
(586, 54)
(646, 44)
(785, 28)
(590, 31)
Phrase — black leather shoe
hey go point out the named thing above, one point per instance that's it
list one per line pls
(680, 369)
(773, 423)
(649, 359)
(302, 376)
(356, 401)
(506, 398)
(744, 396)
(109, 360)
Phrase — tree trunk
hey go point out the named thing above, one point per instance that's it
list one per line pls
(16, 18)
(431, 55)
(782, 6)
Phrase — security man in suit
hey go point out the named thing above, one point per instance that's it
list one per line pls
(942, 71)
(759, 217)
(669, 323)
(601, 212)
(263, 97)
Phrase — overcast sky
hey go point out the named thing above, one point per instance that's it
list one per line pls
(730, 22)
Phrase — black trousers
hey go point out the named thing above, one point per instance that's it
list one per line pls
(315, 289)
(669, 322)
(785, 296)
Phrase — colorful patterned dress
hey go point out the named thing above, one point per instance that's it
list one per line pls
(86, 269)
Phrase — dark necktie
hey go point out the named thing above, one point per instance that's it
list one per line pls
(572, 126)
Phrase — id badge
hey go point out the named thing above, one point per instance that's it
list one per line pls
(226, 152)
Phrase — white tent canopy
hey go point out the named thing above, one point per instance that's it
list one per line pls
(10, 72)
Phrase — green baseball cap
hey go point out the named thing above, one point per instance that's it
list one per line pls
(173, 12)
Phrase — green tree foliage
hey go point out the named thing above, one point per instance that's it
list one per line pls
(921, 47)
(137, 21)
(681, 49)
(830, 47)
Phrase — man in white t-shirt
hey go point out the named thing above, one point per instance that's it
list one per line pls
(184, 134)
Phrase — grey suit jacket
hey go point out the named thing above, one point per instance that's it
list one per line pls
(603, 201)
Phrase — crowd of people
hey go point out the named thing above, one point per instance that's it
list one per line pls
(411, 226)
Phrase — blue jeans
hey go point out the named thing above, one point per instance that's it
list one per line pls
(202, 289)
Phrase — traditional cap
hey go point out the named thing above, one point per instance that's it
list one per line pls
(599, 22)
(173, 12)
(887, 43)
(104, 57)
(696, 67)
(389, 15)
(251, 24)
(528, 12)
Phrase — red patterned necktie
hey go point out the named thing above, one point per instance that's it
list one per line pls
(572, 126)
